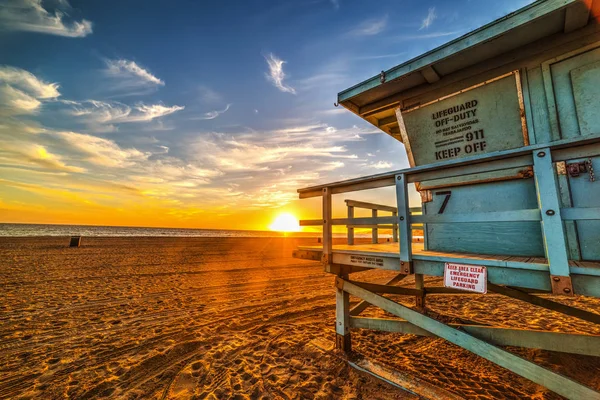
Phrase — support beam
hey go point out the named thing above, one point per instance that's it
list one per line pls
(387, 121)
(542, 376)
(342, 319)
(430, 75)
(420, 297)
(363, 305)
(542, 302)
(374, 231)
(327, 228)
(552, 226)
(404, 224)
(350, 228)
(577, 15)
(587, 345)
(387, 289)
(395, 228)
(338, 269)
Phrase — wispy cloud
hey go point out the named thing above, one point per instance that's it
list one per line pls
(102, 112)
(21, 92)
(150, 112)
(381, 165)
(431, 35)
(31, 16)
(100, 151)
(371, 27)
(130, 78)
(428, 20)
(209, 96)
(212, 114)
(276, 75)
(380, 56)
(335, 4)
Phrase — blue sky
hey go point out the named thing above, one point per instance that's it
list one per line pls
(197, 113)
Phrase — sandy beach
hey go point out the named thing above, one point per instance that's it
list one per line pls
(236, 318)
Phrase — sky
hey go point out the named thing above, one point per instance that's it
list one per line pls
(199, 114)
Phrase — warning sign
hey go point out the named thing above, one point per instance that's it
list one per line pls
(472, 278)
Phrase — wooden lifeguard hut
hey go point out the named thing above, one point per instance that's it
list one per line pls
(502, 131)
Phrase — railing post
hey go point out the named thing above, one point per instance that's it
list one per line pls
(420, 300)
(374, 230)
(327, 231)
(552, 226)
(405, 232)
(351, 228)
(343, 340)
(395, 228)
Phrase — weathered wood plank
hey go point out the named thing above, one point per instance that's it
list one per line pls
(363, 305)
(577, 15)
(552, 227)
(588, 345)
(404, 220)
(370, 206)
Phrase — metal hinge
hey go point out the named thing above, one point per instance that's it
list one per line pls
(575, 169)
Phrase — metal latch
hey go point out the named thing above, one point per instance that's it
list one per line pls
(577, 168)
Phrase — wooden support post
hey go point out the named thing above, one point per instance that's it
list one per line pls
(363, 305)
(420, 298)
(327, 231)
(343, 340)
(542, 302)
(552, 226)
(395, 228)
(404, 224)
(542, 376)
(350, 228)
(374, 230)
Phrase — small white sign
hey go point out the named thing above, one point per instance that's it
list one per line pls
(472, 278)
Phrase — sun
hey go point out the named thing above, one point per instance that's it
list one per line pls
(285, 222)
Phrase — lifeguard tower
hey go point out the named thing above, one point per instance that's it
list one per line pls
(502, 131)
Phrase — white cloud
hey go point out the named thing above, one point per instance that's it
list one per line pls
(428, 20)
(28, 153)
(27, 81)
(213, 114)
(276, 75)
(371, 27)
(31, 16)
(150, 112)
(381, 165)
(129, 78)
(21, 91)
(100, 151)
(129, 69)
(100, 112)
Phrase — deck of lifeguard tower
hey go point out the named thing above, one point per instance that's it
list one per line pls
(517, 157)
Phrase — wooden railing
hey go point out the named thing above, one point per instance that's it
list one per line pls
(540, 156)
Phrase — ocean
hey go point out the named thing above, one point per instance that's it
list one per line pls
(17, 230)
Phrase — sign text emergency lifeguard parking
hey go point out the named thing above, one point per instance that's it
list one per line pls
(472, 278)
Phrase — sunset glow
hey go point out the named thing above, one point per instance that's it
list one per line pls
(285, 223)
